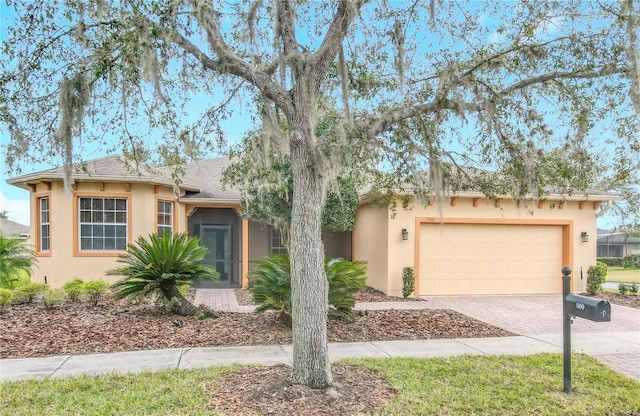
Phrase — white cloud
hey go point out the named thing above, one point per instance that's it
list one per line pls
(18, 210)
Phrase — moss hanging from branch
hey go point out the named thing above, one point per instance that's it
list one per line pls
(74, 98)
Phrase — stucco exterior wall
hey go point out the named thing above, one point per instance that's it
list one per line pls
(65, 261)
(371, 244)
(378, 238)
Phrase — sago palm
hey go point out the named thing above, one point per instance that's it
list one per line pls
(270, 283)
(16, 257)
(159, 265)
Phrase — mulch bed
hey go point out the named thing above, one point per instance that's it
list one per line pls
(631, 301)
(266, 391)
(30, 330)
(368, 294)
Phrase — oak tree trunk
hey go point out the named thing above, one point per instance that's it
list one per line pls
(309, 286)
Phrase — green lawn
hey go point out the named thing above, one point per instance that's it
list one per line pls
(505, 385)
(618, 274)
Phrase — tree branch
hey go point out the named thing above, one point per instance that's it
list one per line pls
(228, 62)
(326, 54)
(286, 28)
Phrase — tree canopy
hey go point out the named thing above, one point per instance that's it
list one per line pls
(517, 98)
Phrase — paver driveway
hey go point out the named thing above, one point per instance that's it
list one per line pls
(615, 343)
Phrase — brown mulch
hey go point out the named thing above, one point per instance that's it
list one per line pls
(30, 330)
(266, 391)
(368, 294)
(631, 301)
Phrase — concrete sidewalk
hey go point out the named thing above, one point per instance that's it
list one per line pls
(599, 346)
(538, 320)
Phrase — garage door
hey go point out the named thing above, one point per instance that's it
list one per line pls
(457, 259)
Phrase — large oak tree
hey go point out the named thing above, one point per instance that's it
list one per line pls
(510, 98)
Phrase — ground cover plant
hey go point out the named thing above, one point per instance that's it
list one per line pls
(480, 385)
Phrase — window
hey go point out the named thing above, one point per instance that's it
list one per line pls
(165, 217)
(44, 238)
(103, 224)
(277, 247)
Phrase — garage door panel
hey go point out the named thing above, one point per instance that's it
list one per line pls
(489, 259)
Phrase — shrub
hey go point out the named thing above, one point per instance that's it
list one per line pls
(595, 277)
(16, 259)
(94, 290)
(611, 261)
(51, 298)
(623, 288)
(159, 267)
(270, 284)
(631, 261)
(29, 292)
(345, 279)
(6, 297)
(408, 282)
(633, 288)
(73, 289)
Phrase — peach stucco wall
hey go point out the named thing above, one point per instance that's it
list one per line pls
(64, 262)
(390, 255)
(371, 243)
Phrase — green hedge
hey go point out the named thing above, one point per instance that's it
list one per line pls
(611, 261)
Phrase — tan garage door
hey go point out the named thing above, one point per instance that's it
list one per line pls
(457, 259)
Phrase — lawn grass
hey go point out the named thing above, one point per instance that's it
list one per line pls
(480, 385)
(618, 274)
(505, 385)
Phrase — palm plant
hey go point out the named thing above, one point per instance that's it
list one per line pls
(270, 284)
(161, 265)
(16, 257)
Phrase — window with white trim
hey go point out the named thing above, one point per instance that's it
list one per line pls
(44, 226)
(165, 217)
(277, 246)
(103, 224)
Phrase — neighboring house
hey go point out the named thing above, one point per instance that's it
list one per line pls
(13, 229)
(465, 244)
(618, 244)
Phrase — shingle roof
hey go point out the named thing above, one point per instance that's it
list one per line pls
(13, 229)
(108, 169)
(208, 173)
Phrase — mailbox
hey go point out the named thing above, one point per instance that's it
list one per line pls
(596, 310)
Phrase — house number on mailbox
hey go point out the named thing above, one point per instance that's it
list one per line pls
(580, 306)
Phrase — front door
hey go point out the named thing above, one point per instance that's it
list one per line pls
(217, 238)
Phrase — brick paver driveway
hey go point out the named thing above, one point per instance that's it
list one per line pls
(615, 343)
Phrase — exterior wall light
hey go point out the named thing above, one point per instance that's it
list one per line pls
(405, 234)
(584, 236)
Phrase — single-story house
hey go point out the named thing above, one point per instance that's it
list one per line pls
(13, 229)
(618, 244)
(463, 244)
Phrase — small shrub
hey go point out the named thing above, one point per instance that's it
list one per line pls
(408, 282)
(270, 284)
(595, 277)
(631, 261)
(73, 289)
(51, 298)
(633, 288)
(29, 292)
(94, 290)
(623, 288)
(346, 278)
(6, 297)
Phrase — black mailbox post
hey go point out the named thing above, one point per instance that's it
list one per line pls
(582, 307)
